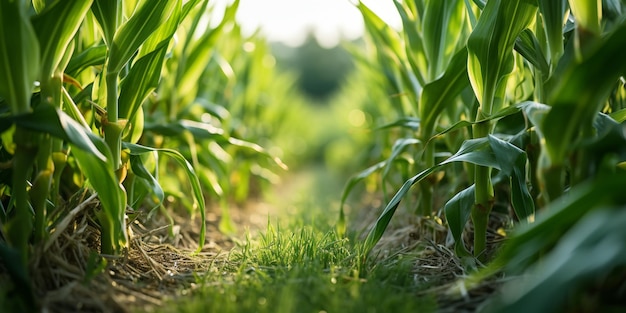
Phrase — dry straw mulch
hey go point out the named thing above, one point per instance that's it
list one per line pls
(159, 263)
(430, 245)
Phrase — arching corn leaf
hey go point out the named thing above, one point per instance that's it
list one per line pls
(191, 175)
(480, 151)
(440, 94)
(457, 211)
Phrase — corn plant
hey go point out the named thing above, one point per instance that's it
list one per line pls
(82, 84)
(497, 60)
(198, 110)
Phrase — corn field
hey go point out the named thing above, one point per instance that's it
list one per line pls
(474, 109)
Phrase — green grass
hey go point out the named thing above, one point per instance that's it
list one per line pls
(300, 264)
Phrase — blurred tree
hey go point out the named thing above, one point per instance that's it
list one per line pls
(320, 70)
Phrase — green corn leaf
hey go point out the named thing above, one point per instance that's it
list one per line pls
(480, 151)
(490, 48)
(258, 149)
(196, 62)
(408, 122)
(162, 36)
(508, 111)
(382, 32)
(143, 23)
(199, 130)
(457, 211)
(415, 48)
(440, 94)
(151, 182)
(55, 28)
(199, 53)
(191, 175)
(476, 151)
(189, 5)
(597, 239)
(108, 13)
(92, 56)
(442, 29)
(529, 241)
(552, 15)
(143, 78)
(383, 220)
(581, 92)
(512, 163)
(619, 116)
(19, 56)
(49, 120)
(204, 131)
(398, 147)
(92, 155)
(101, 176)
(355, 179)
(528, 46)
(588, 15)
(467, 152)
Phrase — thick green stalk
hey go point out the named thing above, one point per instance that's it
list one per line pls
(484, 196)
(50, 95)
(20, 226)
(551, 181)
(111, 127)
(427, 186)
(41, 186)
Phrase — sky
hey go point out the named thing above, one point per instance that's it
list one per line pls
(290, 20)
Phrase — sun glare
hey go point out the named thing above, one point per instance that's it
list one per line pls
(289, 21)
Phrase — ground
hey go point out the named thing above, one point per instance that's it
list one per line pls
(160, 263)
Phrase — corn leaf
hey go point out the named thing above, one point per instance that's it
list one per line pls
(147, 180)
(408, 122)
(416, 56)
(457, 211)
(55, 28)
(619, 116)
(528, 46)
(588, 15)
(530, 241)
(597, 239)
(129, 37)
(442, 29)
(441, 93)
(143, 78)
(553, 15)
(92, 56)
(490, 55)
(580, 92)
(355, 179)
(512, 163)
(191, 175)
(49, 120)
(102, 178)
(480, 151)
(108, 13)
(398, 147)
(19, 56)
(199, 52)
